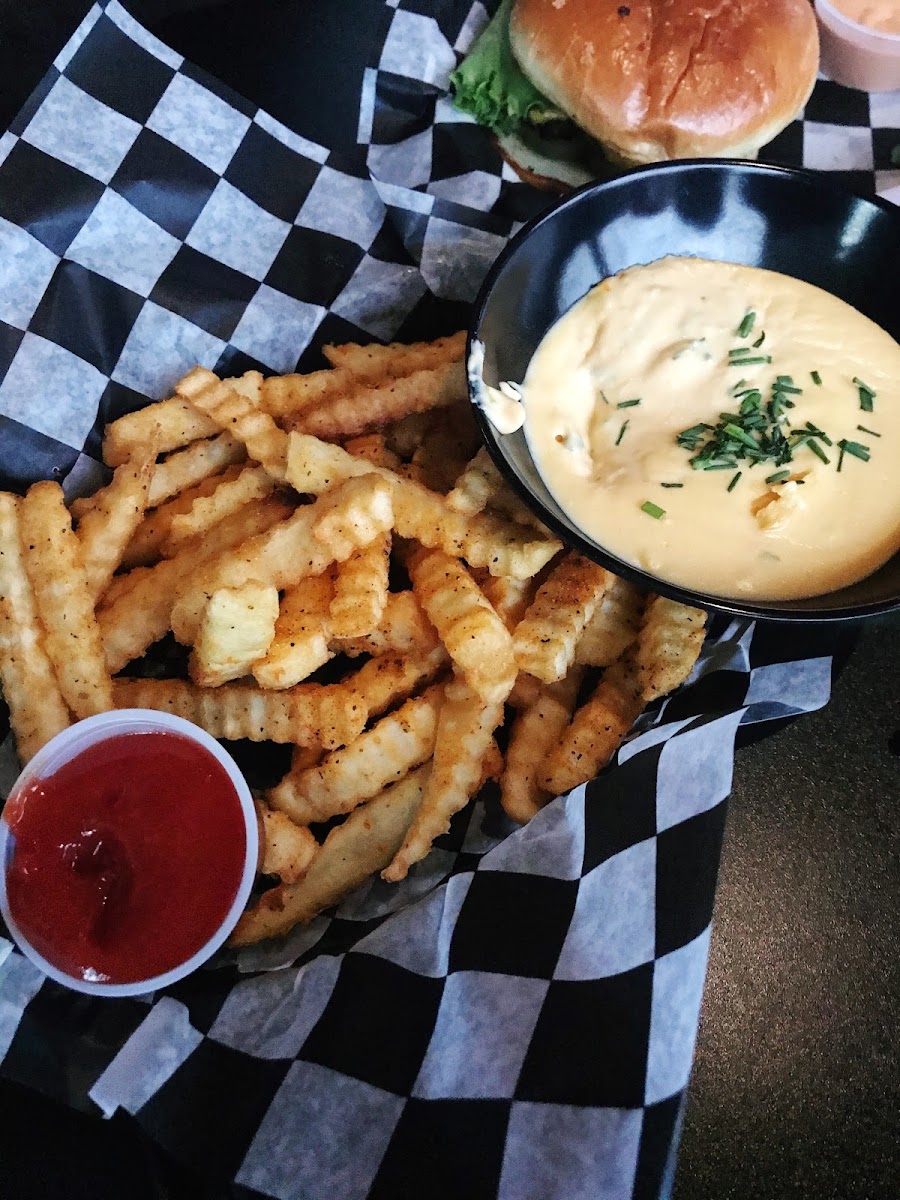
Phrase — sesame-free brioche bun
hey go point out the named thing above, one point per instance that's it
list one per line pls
(661, 79)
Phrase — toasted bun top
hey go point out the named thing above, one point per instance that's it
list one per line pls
(660, 79)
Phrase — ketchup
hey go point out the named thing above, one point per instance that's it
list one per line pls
(127, 859)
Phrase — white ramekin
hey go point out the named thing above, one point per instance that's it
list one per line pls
(854, 54)
(68, 745)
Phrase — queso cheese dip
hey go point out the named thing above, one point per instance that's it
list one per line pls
(883, 15)
(726, 428)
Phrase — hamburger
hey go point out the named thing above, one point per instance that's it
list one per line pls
(568, 87)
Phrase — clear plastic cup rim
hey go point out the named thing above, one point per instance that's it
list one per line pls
(62, 749)
(859, 33)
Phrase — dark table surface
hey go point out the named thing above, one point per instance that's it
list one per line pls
(795, 1090)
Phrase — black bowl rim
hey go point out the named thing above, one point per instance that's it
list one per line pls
(764, 610)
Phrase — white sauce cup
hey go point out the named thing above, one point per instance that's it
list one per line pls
(68, 745)
(856, 55)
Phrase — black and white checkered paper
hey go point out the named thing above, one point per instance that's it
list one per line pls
(518, 1018)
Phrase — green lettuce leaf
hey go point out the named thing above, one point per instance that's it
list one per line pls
(490, 86)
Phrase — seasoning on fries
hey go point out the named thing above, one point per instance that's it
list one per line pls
(344, 522)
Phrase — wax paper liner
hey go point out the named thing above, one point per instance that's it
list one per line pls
(518, 1018)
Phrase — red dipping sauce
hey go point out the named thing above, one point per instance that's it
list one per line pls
(128, 858)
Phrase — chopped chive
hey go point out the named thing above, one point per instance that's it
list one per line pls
(787, 389)
(816, 378)
(749, 362)
(622, 432)
(842, 444)
(671, 485)
(688, 438)
(779, 477)
(653, 510)
(866, 395)
(759, 341)
(628, 404)
(746, 326)
(814, 432)
(858, 450)
(735, 431)
(870, 432)
(735, 391)
(817, 450)
(734, 480)
(779, 379)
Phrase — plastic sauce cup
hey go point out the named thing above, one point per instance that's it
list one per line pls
(856, 55)
(69, 745)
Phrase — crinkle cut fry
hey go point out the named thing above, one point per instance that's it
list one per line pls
(141, 614)
(465, 730)
(525, 691)
(348, 777)
(669, 644)
(597, 729)
(614, 625)
(234, 413)
(284, 396)
(362, 844)
(535, 735)
(404, 437)
(504, 548)
(403, 629)
(361, 591)
(365, 407)
(37, 711)
(547, 635)
(285, 849)
(291, 550)
(310, 714)
(384, 682)
(301, 642)
(475, 637)
(176, 419)
(231, 495)
(151, 538)
(65, 605)
(375, 361)
(237, 629)
(108, 527)
(479, 482)
(510, 598)
(354, 515)
(192, 465)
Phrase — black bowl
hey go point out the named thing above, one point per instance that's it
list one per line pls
(791, 221)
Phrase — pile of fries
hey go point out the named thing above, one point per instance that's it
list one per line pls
(342, 524)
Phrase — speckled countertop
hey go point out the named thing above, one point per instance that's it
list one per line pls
(796, 1087)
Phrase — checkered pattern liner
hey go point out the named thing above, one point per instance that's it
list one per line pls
(518, 1019)
(525, 1029)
